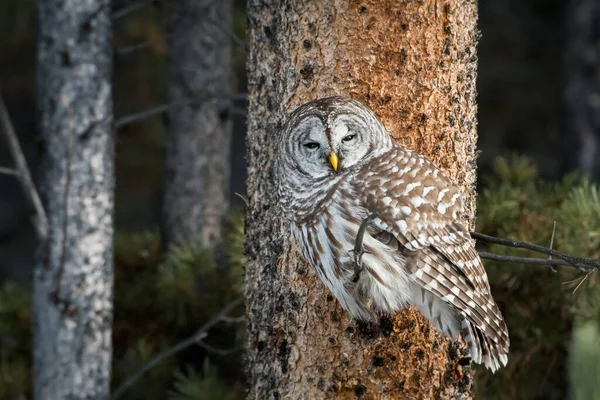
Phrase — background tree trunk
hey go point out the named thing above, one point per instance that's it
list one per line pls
(582, 92)
(73, 279)
(414, 64)
(199, 140)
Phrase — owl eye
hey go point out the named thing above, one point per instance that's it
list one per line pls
(312, 145)
(348, 138)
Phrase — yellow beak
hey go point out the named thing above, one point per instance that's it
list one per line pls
(333, 160)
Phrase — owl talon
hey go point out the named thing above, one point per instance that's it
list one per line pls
(359, 249)
(358, 268)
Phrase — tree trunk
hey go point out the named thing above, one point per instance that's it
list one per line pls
(582, 93)
(199, 141)
(414, 64)
(73, 280)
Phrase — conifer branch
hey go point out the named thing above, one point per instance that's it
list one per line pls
(196, 338)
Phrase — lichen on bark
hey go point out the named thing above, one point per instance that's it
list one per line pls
(73, 278)
(414, 64)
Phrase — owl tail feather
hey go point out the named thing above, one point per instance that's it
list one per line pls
(483, 349)
(450, 322)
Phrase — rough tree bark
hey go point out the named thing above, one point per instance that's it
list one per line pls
(414, 64)
(199, 135)
(73, 278)
(582, 92)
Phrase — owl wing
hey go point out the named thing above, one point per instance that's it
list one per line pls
(419, 207)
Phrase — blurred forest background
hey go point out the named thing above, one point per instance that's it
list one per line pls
(539, 81)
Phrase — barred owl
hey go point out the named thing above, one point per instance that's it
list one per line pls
(379, 223)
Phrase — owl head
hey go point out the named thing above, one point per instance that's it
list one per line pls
(328, 136)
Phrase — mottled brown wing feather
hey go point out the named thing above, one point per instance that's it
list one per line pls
(419, 206)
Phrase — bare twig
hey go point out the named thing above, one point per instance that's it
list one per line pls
(552, 238)
(125, 50)
(551, 244)
(583, 264)
(521, 260)
(9, 171)
(142, 115)
(41, 220)
(196, 338)
(234, 320)
(244, 198)
(217, 351)
(570, 281)
(549, 262)
(158, 110)
(581, 282)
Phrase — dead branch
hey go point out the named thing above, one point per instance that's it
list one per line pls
(521, 260)
(163, 108)
(234, 320)
(551, 244)
(142, 115)
(126, 50)
(217, 351)
(583, 264)
(22, 171)
(9, 171)
(196, 338)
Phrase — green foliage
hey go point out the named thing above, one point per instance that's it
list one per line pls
(177, 287)
(135, 358)
(160, 300)
(540, 306)
(208, 386)
(584, 363)
(17, 44)
(580, 217)
(516, 169)
(15, 341)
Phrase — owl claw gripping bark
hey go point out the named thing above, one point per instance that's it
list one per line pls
(359, 249)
